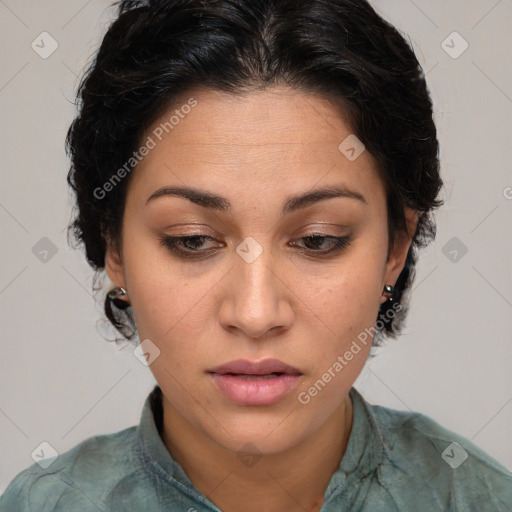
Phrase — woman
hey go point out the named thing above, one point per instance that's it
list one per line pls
(256, 178)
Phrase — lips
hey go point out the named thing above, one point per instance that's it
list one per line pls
(268, 367)
(255, 383)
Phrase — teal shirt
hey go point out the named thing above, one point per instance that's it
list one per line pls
(394, 461)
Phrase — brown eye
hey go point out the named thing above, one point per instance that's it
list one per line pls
(187, 246)
(315, 242)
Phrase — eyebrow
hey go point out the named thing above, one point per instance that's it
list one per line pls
(293, 203)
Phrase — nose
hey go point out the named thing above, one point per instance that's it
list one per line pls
(258, 298)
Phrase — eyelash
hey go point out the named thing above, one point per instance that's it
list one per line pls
(171, 243)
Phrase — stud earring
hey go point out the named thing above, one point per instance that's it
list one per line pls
(388, 290)
(116, 293)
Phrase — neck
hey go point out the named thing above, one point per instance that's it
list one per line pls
(292, 480)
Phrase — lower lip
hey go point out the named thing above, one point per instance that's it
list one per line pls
(261, 391)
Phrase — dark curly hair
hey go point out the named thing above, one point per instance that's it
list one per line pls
(157, 50)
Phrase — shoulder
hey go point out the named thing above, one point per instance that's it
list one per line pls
(423, 457)
(80, 477)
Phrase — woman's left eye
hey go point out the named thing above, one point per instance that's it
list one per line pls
(190, 246)
(336, 242)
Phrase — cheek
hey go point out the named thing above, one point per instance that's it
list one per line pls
(351, 295)
(165, 307)
(338, 350)
(348, 306)
(172, 307)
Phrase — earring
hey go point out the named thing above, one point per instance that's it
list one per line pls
(388, 290)
(116, 293)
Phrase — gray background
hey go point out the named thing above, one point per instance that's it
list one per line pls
(61, 382)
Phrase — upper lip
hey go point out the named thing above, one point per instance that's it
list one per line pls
(246, 367)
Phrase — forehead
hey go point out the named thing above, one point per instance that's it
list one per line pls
(277, 115)
(278, 136)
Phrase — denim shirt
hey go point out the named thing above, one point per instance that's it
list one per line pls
(394, 461)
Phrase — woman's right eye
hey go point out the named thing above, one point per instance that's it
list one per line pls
(187, 246)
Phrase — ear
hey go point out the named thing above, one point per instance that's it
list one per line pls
(398, 254)
(114, 265)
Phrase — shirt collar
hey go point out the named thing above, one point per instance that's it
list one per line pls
(363, 454)
(365, 448)
(151, 450)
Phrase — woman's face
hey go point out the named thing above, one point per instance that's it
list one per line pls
(253, 286)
